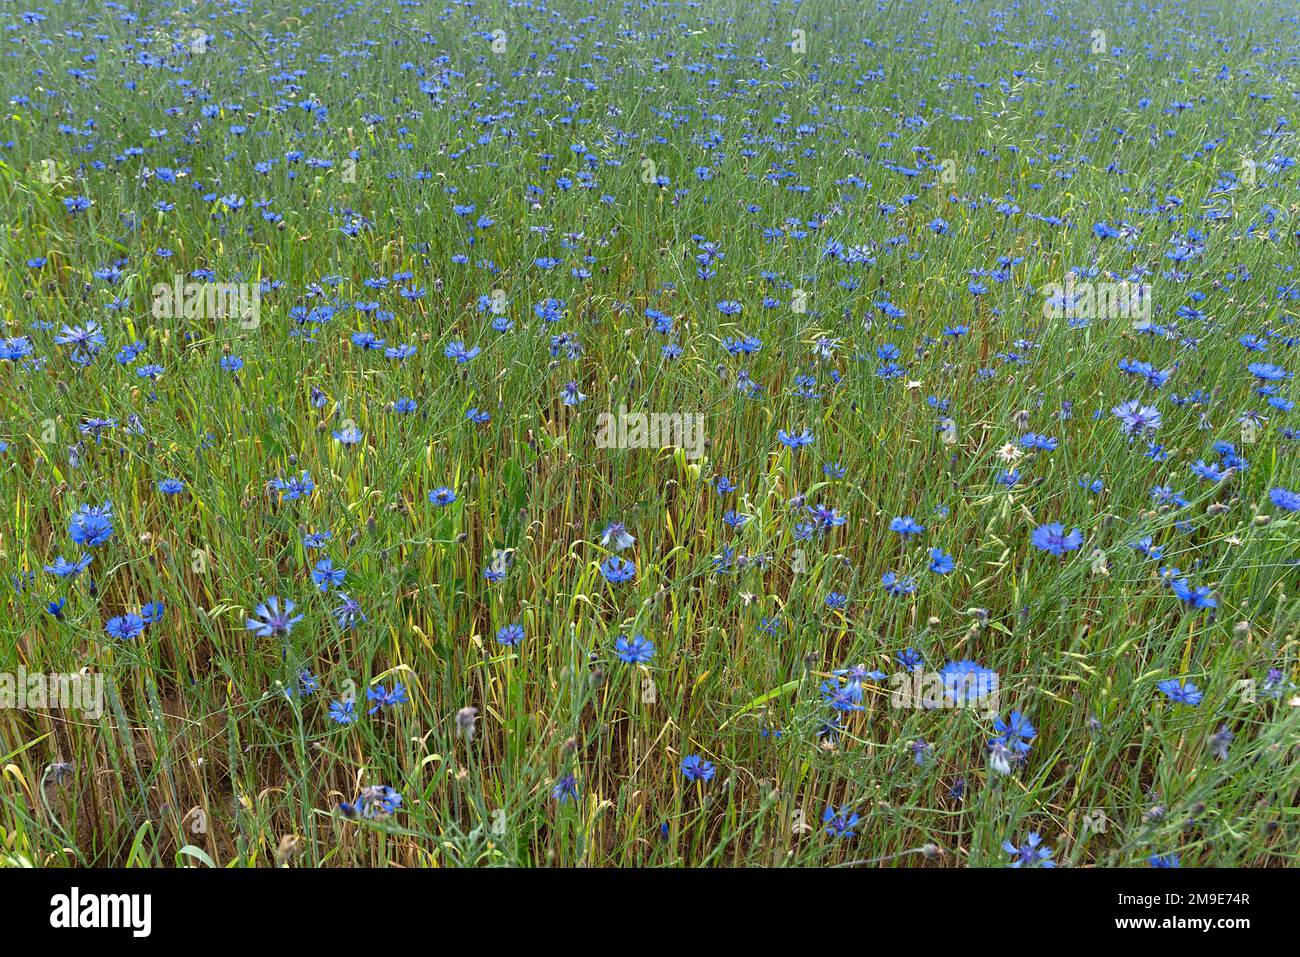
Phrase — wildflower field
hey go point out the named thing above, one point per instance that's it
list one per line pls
(638, 434)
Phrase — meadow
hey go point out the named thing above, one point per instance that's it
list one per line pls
(656, 434)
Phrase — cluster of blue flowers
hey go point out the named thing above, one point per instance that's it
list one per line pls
(896, 285)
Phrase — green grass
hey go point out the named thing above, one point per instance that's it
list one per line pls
(197, 715)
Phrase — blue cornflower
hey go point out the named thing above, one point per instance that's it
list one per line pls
(840, 823)
(1211, 471)
(1267, 372)
(348, 613)
(343, 712)
(616, 537)
(906, 526)
(941, 563)
(510, 635)
(565, 789)
(795, 441)
(348, 435)
(617, 570)
(909, 659)
(326, 576)
(383, 698)
(1054, 540)
(637, 650)
(91, 526)
(898, 585)
(856, 674)
(846, 697)
(1033, 853)
(1015, 733)
(1042, 443)
(695, 768)
(125, 627)
(967, 682)
(1184, 692)
(375, 801)
(457, 351)
(1284, 499)
(571, 395)
(62, 568)
(294, 487)
(270, 620)
(1200, 596)
(1137, 418)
